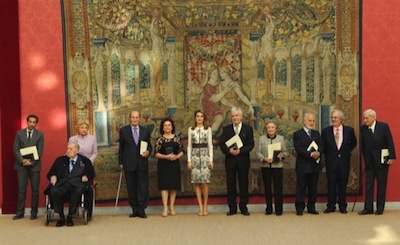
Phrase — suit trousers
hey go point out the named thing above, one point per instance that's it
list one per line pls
(59, 193)
(137, 185)
(273, 176)
(337, 180)
(306, 182)
(23, 176)
(381, 175)
(243, 177)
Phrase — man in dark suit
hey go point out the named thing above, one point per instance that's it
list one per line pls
(339, 140)
(237, 161)
(307, 164)
(135, 163)
(375, 137)
(68, 176)
(28, 168)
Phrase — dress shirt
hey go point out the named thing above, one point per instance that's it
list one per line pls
(340, 135)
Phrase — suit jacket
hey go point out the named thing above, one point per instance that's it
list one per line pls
(262, 151)
(382, 139)
(21, 141)
(301, 141)
(246, 135)
(332, 153)
(60, 168)
(128, 154)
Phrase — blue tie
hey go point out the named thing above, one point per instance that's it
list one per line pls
(71, 165)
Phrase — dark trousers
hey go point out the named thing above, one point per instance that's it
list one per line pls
(337, 180)
(306, 182)
(34, 177)
(273, 176)
(381, 175)
(60, 193)
(243, 177)
(137, 185)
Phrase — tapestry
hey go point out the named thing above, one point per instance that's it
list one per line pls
(275, 59)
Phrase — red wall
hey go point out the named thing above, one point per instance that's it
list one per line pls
(40, 82)
(43, 90)
(381, 72)
(10, 111)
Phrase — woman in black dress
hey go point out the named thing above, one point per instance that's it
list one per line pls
(168, 150)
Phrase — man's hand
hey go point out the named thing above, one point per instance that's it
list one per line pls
(234, 151)
(85, 178)
(26, 162)
(53, 180)
(315, 155)
(145, 154)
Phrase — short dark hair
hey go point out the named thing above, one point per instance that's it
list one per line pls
(167, 119)
(32, 116)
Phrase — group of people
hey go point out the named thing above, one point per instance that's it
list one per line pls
(69, 175)
(237, 141)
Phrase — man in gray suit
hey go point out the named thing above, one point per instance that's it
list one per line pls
(27, 166)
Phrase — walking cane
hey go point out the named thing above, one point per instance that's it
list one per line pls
(360, 183)
(119, 188)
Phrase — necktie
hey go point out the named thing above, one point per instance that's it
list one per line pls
(236, 129)
(135, 135)
(29, 136)
(337, 137)
(309, 133)
(71, 165)
(371, 134)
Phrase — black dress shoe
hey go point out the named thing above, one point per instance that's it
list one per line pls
(365, 211)
(378, 212)
(141, 215)
(33, 217)
(60, 223)
(18, 216)
(132, 215)
(299, 213)
(344, 211)
(278, 214)
(313, 212)
(70, 222)
(230, 213)
(246, 213)
(268, 212)
(327, 211)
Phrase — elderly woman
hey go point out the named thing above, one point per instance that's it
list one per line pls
(168, 149)
(87, 143)
(272, 166)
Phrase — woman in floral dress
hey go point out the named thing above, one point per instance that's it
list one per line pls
(200, 159)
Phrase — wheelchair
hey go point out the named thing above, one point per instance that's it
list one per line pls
(84, 210)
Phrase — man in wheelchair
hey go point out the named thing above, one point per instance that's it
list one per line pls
(68, 177)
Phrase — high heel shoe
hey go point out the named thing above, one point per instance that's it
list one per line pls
(200, 213)
(164, 214)
(172, 211)
(205, 210)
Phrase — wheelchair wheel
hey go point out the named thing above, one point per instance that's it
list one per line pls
(85, 216)
(47, 217)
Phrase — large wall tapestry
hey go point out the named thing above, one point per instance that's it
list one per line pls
(275, 59)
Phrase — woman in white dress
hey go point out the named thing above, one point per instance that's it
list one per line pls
(200, 159)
